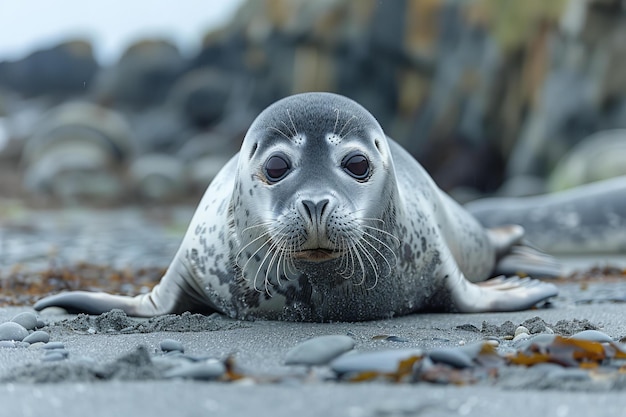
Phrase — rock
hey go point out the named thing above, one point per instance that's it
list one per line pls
(12, 331)
(26, 319)
(37, 336)
(319, 350)
(207, 370)
(455, 357)
(383, 362)
(171, 345)
(592, 336)
(54, 345)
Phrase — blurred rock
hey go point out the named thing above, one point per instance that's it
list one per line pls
(143, 76)
(63, 70)
(158, 177)
(79, 151)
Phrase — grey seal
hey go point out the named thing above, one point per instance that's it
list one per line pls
(321, 217)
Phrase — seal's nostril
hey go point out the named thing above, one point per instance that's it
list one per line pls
(309, 207)
(315, 210)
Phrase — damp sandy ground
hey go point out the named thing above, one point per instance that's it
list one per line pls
(260, 347)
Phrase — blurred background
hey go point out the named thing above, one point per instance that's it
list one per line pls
(136, 102)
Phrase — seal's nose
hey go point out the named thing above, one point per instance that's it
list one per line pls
(315, 210)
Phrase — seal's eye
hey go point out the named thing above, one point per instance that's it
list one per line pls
(357, 166)
(276, 168)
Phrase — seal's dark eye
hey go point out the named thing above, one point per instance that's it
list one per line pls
(276, 168)
(357, 165)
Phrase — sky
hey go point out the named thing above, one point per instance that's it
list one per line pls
(111, 25)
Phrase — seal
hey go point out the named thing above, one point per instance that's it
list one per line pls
(321, 217)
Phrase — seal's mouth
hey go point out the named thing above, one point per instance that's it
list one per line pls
(317, 255)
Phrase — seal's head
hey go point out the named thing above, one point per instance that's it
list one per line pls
(314, 186)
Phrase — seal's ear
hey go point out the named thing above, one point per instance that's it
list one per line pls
(253, 150)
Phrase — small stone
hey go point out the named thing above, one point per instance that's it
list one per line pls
(54, 345)
(521, 336)
(319, 350)
(54, 356)
(37, 336)
(37, 345)
(521, 330)
(383, 362)
(63, 352)
(171, 345)
(40, 323)
(26, 319)
(12, 331)
(592, 336)
(207, 370)
(451, 356)
(7, 344)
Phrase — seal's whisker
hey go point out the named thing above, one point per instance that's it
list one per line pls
(395, 239)
(279, 131)
(336, 121)
(240, 252)
(380, 253)
(371, 236)
(346, 125)
(292, 123)
(264, 224)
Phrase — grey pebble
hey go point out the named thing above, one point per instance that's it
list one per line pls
(12, 331)
(592, 336)
(26, 319)
(451, 356)
(171, 345)
(40, 323)
(55, 356)
(54, 345)
(207, 370)
(385, 361)
(396, 339)
(55, 352)
(37, 345)
(7, 344)
(319, 350)
(37, 336)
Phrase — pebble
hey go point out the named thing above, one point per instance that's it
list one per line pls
(319, 350)
(26, 319)
(56, 352)
(592, 336)
(521, 330)
(8, 344)
(171, 345)
(521, 336)
(385, 361)
(37, 345)
(12, 331)
(455, 357)
(37, 336)
(54, 356)
(207, 370)
(54, 345)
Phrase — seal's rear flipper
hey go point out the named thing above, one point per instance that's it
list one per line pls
(499, 294)
(526, 260)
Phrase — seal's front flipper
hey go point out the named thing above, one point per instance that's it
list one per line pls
(94, 303)
(499, 294)
(173, 295)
